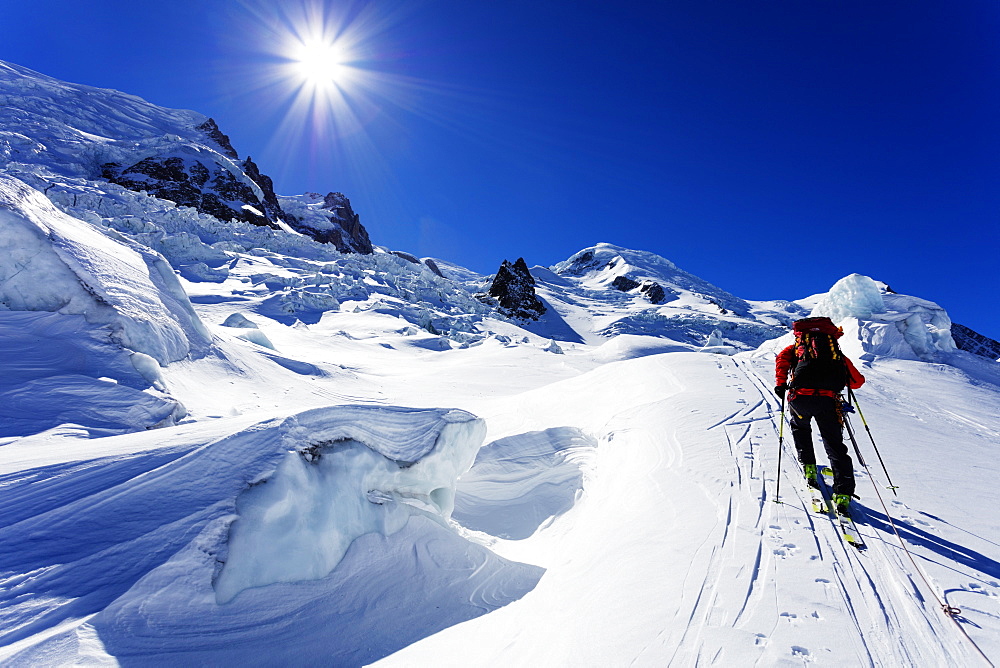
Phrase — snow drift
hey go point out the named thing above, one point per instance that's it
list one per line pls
(354, 471)
(233, 510)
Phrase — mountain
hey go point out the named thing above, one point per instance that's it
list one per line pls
(974, 342)
(74, 141)
(224, 442)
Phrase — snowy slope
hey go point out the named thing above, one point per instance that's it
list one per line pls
(227, 444)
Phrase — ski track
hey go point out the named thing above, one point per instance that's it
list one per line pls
(879, 595)
(738, 578)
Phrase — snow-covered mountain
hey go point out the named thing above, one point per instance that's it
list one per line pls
(74, 141)
(228, 442)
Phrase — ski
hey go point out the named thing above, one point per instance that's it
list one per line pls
(848, 529)
(819, 504)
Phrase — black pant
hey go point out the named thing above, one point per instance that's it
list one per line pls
(824, 410)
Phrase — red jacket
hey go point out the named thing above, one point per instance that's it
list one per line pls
(786, 362)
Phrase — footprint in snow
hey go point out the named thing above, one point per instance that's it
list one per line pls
(760, 640)
(787, 549)
(791, 617)
(823, 581)
(799, 651)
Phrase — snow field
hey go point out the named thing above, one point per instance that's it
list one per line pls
(676, 553)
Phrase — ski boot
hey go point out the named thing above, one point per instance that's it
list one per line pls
(812, 476)
(842, 503)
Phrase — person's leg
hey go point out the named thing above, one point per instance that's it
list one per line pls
(801, 432)
(832, 433)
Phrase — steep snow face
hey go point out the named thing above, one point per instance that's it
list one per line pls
(53, 262)
(70, 129)
(298, 524)
(59, 370)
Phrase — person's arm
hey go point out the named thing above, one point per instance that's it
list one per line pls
(854, 377)
(783, 364)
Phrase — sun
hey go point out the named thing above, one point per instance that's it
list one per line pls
(320, 64)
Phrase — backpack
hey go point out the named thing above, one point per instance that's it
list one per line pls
(819, 363)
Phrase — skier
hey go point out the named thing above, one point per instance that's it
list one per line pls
(819, 372)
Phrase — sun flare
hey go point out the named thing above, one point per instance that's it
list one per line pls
(321, 64)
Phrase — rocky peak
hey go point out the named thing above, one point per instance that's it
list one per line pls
(513, 290)
(191, 178)
(971, 341)
(349, 222)
(212, 131)
(272, 209)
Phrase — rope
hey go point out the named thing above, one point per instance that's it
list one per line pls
(951, 612)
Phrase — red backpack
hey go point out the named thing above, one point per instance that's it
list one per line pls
(822, 324)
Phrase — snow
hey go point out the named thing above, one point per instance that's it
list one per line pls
(298, 523)
(852, 296)
(222, 444)
(53, 262)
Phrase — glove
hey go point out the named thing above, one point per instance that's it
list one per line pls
(780, 390)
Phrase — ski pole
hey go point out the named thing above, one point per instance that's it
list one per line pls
(854, 441)
(854, 400)
(781, 438)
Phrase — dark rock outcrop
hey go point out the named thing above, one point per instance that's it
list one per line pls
(406, 256)
(432, 265)
(583, 263)
(220, 138)
(513, 289)
(624, 283)
(347, 234)
(272, 209)
(653, 291)
(188, 181)
(973, 342)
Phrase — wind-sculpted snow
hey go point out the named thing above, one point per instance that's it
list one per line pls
(277, 506)
(354, 471)
(50, 261)
(520, 482)
(58, 370)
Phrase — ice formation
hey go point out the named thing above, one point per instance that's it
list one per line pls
(885, 323)
(853, 296)
(50, 261)
(351, 471)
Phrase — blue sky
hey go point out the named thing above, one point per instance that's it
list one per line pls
(770, 147)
